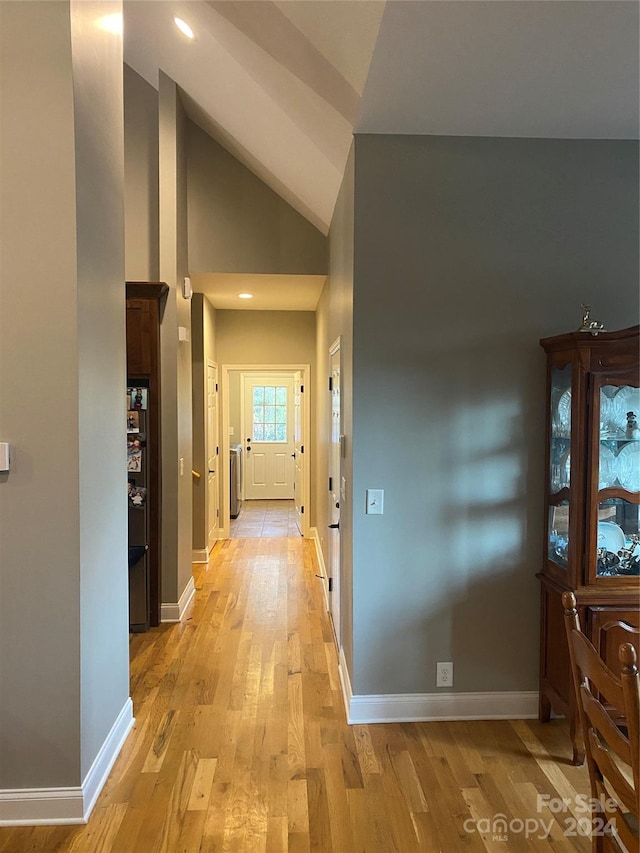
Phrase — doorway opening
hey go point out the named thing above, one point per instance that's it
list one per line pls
(265, 432)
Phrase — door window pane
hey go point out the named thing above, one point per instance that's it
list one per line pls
(270, 413)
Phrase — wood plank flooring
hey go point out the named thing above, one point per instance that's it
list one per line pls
(241, 744)
(266, 519)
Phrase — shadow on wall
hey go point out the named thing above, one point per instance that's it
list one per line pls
(464, 586)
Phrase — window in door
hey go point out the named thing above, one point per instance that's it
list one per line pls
(270, 413)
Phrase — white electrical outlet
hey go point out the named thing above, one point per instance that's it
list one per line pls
(444, 674)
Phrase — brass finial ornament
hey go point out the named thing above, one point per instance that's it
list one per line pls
(589, 325)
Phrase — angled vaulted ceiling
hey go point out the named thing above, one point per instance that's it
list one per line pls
(283, 85)
(279, 87)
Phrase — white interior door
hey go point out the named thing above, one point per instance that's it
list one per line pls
(335, 488)
(268, 433)
(298, 451)
(213, 455)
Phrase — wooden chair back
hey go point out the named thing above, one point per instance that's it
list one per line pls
(609, 712)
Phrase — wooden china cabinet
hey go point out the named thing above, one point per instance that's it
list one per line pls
(592, 543)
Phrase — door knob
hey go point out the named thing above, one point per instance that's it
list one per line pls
(335, 526)
(248, 449)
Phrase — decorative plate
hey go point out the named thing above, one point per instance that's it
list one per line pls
(610, 536)
(608, 412)
(626, 400)
(564, 412)
(628, 466)
(608, 468)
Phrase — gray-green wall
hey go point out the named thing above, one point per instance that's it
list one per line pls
(467, 251)
(141, 178)
(238, 224)
(63, 527)
(175, 355)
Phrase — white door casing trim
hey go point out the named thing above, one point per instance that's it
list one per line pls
(335, 470)
(211, 365)
(54, 806)
(225, 369)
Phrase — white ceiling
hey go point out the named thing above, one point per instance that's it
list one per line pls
(258, 83)
(283, 85)
(270, 292)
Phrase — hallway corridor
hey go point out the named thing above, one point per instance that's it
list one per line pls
(265, 519)
(241, 745)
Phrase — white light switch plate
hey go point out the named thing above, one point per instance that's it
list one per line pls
(4, 456)
(375, 501)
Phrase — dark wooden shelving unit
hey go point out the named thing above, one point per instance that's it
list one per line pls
(145, 303)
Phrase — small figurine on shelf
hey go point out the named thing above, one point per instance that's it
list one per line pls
(632, 430)
(589, 325)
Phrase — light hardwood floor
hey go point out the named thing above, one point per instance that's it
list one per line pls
(266, 519)
(241, 743)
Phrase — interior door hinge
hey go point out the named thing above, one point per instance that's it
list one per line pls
(301, 510)
(302, 389)
(302, 448)
(217, 450)
(216, 386)
(330, 484)
(331, 383)
(330, 584)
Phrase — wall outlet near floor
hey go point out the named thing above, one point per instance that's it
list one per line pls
(444, 674)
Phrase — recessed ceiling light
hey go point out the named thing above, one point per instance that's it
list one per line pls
(111, 23)
(183, 27)
(245, 295)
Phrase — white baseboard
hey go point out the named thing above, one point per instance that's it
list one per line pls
(175, 612)
(200, 555)
(322, 569)
(345, 681)
(104, 760)
(428, 707)
(52, 806)
(417, 707)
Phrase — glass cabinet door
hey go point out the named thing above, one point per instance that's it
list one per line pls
(559, 466)
(618, 538)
